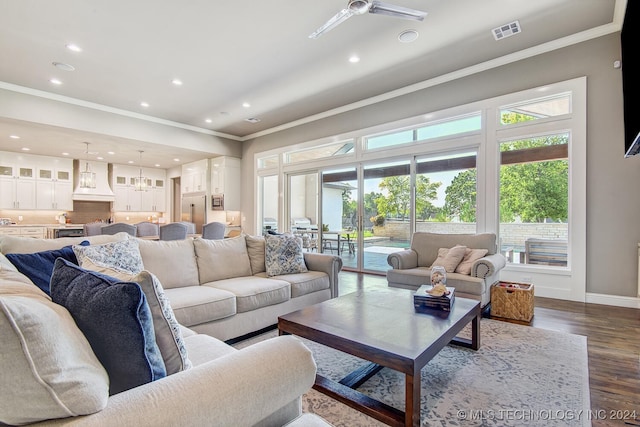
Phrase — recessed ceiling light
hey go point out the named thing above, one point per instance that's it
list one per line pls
(14, 137)
(177, 82)
(100, 158)
(246, 105)
(144, 104)
(130, 161)
(157, 165)
(176, 160)
(26, 149)
(208, 120)
(354, 59)
(407, 36)
(74, 47)
(111, 152)
(55, 81)
(65, 154)
(63, 66)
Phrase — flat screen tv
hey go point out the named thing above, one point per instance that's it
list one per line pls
(631, 77)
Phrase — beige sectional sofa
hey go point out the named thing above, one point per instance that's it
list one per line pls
(220, 287)
(411, 268)
(259, 385)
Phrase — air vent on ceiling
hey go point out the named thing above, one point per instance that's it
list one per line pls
(506, 30)
(252, 120)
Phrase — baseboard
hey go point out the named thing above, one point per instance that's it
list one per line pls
(615, 300)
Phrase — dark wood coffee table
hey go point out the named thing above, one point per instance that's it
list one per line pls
(381, 325)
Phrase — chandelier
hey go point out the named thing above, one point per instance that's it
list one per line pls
(87, 178)
(140, 182)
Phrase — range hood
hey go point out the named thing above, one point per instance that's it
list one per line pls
(102, 192)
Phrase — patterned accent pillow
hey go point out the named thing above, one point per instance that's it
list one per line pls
(115, 318)
(166, 327)
(283, 255)
(111, 258)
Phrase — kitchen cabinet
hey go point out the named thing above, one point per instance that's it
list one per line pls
(54, 185)
(129, 199)
(225, 180)
(35, 232)
(17, 186)
(194, 177)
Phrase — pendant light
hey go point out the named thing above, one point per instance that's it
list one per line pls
(140, 182)
(87, 178)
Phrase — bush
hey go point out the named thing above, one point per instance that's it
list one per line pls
(377, 220)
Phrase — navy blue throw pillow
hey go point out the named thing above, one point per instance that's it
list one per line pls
(116, 319)
(39, 266)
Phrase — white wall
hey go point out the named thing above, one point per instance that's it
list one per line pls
(613, 199)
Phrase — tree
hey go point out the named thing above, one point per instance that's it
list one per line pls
(529, 191)
(398, 199)
(460, 199)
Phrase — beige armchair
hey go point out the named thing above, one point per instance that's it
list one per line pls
(411, 268)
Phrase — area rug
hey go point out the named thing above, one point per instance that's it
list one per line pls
(520, 376)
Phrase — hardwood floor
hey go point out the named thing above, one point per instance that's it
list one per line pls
(613, 344)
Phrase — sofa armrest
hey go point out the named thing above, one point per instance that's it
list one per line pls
(488, 266)
(238, 389)
(403, 260)
(326, 263)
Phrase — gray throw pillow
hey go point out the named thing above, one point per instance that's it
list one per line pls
(116, 320)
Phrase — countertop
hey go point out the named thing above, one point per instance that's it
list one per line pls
(52, 226)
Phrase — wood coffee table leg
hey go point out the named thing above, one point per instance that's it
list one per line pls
(412, 400)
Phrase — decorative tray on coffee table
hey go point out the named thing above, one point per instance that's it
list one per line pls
(422, 299)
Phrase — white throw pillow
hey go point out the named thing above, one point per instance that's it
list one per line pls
(48, 367)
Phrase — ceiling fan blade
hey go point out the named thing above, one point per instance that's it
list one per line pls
(339, 18)
(397, 11)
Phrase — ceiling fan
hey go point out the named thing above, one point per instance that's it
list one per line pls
(360, 7)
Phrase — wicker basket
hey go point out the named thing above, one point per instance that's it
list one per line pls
(512, 300)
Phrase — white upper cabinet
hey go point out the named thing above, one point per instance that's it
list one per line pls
(129, 199)
(17, 181)
(225, 180)
(54, 184)
(194, 177)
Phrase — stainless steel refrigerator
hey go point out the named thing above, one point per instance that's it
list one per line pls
(194, 209)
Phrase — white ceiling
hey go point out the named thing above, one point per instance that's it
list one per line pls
(227, 52)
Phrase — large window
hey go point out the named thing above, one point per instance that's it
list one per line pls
(534, 199)
(513, 165)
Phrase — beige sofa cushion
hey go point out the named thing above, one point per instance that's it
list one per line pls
(173, 262)
(222, 259)
(27, 245)
(255, 249)
(253, 292)
(193, 305)
(303, 283)
(48, 368)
